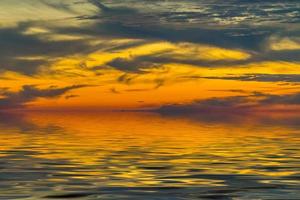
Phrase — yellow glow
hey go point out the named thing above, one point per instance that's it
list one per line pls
(193, 51)
(284, 44)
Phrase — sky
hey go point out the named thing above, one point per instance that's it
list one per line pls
(172, 56)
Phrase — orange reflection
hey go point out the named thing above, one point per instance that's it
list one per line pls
(90, 139)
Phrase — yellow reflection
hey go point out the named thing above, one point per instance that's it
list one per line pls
(140, 147)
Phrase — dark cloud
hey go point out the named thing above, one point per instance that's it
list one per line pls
(26, 53)
(294, 78)
(126, 78)
(292, 99)
(232, 18)
(132, 21)
(255, 44)
(217, 37)
(136, 64)
(120, 21)
(215, 12)
(114, 91)
(125, 65)
(139, 63)
(99, 5)
(71, 96)
(234, 104)
(230, 105)
(58, 5)
(233, 24)
(17, 46)
(120, 47)
(30, 93)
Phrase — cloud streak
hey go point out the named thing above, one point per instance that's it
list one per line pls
(30, 93)
(234, 104)
(292, 78)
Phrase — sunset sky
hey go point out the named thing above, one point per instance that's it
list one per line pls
(170, 55)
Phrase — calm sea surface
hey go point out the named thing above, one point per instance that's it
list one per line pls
(148, 156)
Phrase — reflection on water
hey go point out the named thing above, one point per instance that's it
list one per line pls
(148, 156)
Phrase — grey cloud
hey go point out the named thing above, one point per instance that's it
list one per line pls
(294, 78)
(135, 22)
(132, 65)
(59, 5)
(229, 38)
(217, 37)
(229, 104)
(120, 47)
(124, 65)
(234, 24)
(99, 5)
(18, 49)
(234, 104)
(231, 110)
(125, 78)
(292, 99)
(30, 93)
(71, 96)
(127, 22)
(16, 46)
(138, 63)
(114, 91)
(209, 12)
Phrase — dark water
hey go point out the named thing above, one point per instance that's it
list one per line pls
(148, 156)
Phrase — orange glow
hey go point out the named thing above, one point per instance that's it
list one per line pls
(152, 87)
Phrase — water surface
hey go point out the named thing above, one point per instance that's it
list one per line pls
(148, 156)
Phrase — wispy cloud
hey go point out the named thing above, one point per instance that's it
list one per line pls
(234, 104)
(29, 93)
(248, 26)
(293, 78)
